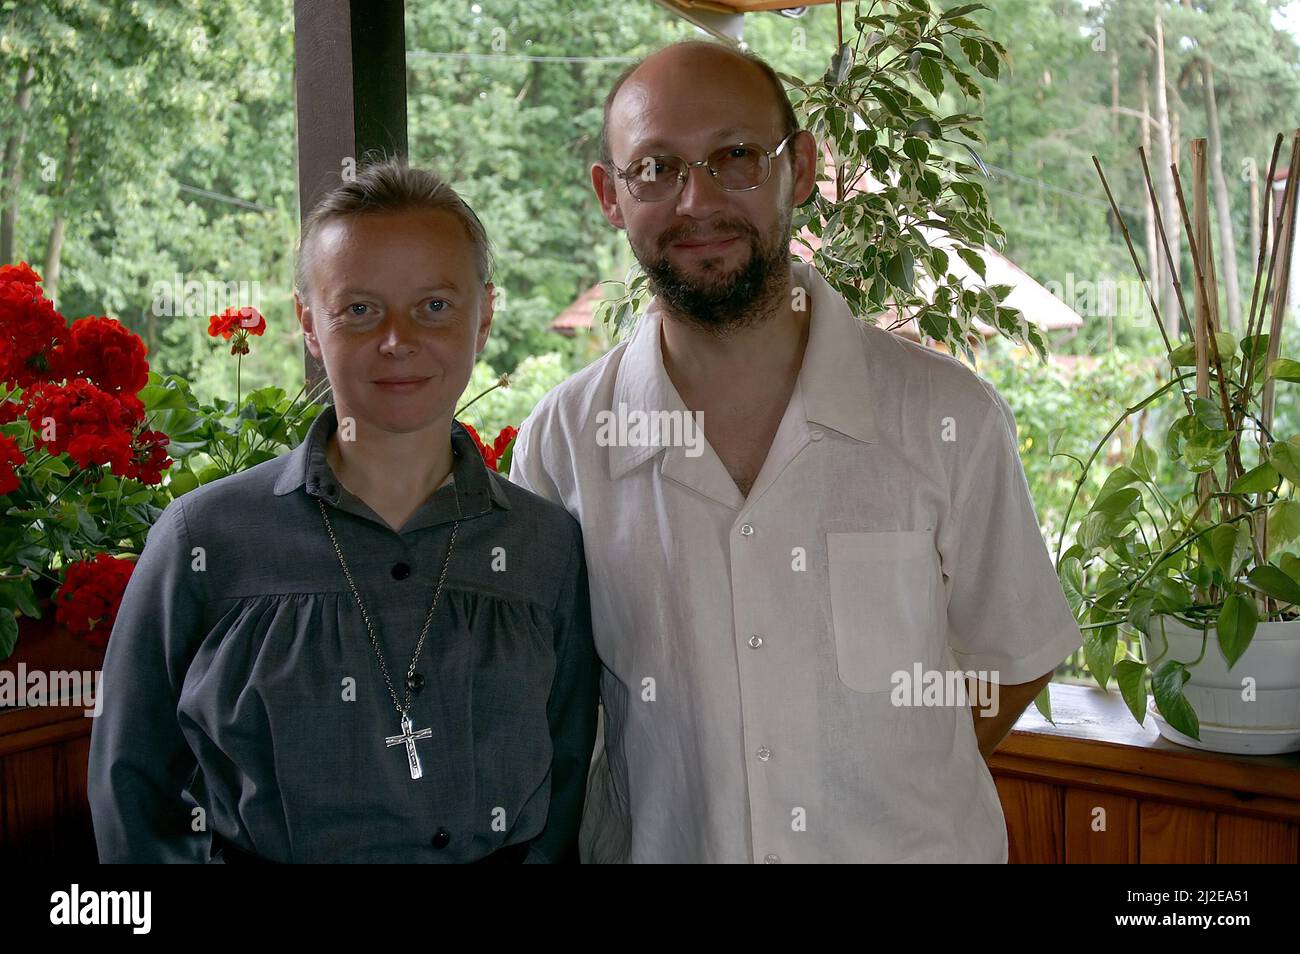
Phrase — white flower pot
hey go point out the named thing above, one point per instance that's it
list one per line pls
(1231, 719)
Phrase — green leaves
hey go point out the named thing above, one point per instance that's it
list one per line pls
(8, 633)
(1099, 652)
(1284, 369)
(1145, 461)
(1259, 479)
(1167, 686)
(1230, 546)
(931, 76)
(1236, 627)
(1277, 584)
(1129, 675)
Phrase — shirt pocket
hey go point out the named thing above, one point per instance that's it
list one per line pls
(884, 605)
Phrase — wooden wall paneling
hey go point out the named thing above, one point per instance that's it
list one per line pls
(1033, 813)
(1175, 834)
(1242, 840)
(1100, 827)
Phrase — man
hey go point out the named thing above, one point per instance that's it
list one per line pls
(857, 525)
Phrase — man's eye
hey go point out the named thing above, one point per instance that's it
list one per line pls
(353, 310)
(437, 305)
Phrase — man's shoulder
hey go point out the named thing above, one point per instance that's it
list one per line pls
(905, 366)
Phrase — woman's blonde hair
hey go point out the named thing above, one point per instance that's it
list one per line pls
(390, 185)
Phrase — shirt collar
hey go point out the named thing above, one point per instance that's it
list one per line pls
(306, 465)
(834, 380)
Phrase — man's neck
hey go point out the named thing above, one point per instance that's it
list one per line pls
(392, 473)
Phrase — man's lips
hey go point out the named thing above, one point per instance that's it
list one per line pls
(714, 242)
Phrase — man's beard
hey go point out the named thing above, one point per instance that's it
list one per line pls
(717, 302)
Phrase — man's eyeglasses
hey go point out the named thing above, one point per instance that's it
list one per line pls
(735, 168)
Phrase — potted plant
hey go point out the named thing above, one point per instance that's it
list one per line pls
(93, 445)
(1191, 551)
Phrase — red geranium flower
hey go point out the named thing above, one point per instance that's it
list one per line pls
(86, 422)
(237, 321)
(149, 457)
(489, 455)
(107, 353)
(29, 327)
(503, 440)
(11, 458)
(91, 595)
(492, 455)
(21, 273)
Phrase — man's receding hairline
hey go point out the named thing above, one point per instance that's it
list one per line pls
(779, 97)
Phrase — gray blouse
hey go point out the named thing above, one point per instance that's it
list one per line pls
(241, 694)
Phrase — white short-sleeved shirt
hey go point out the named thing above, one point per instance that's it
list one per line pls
(749, 645)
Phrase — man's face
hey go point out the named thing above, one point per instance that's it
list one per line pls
(711, 255)
(395, 296)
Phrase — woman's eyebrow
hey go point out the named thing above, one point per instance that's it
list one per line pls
(448, 285)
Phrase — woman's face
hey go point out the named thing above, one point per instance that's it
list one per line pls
(395, 296)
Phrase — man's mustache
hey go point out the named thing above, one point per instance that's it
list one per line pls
(686, 233)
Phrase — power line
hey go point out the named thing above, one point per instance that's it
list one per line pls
(219, 197)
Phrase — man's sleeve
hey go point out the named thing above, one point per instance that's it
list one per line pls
(527, 468)
(1007, 614)
(571, 713)
(139, 758)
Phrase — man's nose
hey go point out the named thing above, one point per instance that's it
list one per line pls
(701, 196)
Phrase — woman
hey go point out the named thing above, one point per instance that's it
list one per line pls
(371, 648)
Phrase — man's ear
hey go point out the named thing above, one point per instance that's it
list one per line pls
(603, 181)
(486, 312)
(805, 166)
(308, 322)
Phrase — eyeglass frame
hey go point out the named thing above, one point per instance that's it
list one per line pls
(683, 176)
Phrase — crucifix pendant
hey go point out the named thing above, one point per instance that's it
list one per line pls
(409, 736)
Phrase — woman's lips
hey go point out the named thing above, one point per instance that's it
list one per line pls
(401, 387)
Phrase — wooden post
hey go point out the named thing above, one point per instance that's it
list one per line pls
(350, 66)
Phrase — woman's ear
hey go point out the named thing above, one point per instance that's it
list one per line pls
(487, 311)
(308, 323)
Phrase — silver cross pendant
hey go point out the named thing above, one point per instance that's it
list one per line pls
(409, 736)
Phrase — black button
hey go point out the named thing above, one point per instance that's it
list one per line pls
(441, 838)
(415, 681)
(401, 571)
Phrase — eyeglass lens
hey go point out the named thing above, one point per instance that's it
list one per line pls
(734, 167)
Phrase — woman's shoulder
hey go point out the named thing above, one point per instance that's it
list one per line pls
(546, 516)
(211, 505)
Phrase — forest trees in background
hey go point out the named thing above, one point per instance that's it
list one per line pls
(153, 139)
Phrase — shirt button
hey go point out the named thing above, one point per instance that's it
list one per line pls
(816, 435)
(441, 838)
(401, 571)
(764, 754)
(746, 530)
(772, 859)
(755, 641)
